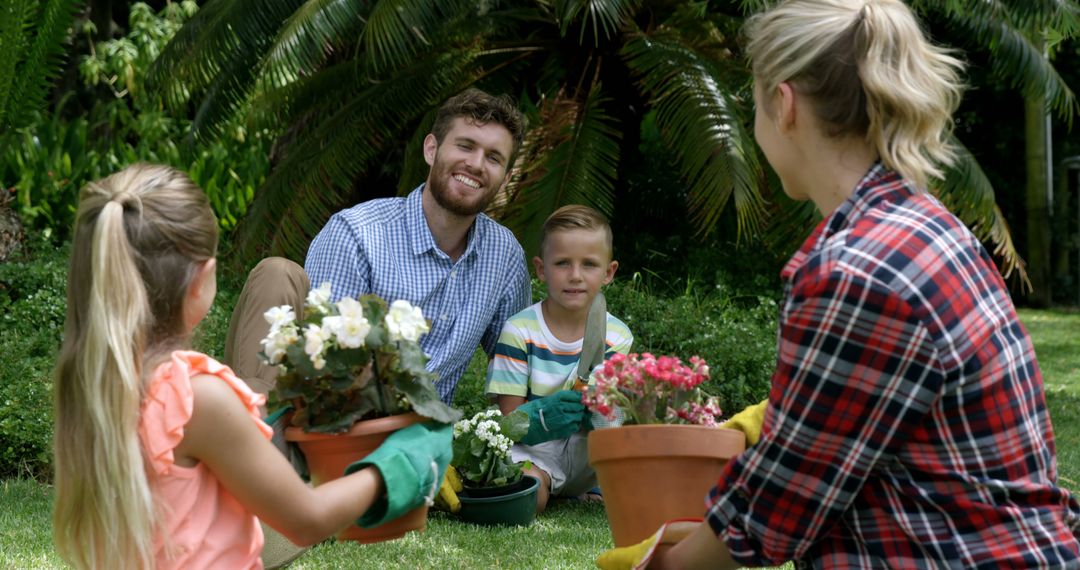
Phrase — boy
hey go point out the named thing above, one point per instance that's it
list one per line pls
(536, 357)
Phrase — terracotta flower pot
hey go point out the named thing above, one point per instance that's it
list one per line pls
(650, 474)
(328, 455)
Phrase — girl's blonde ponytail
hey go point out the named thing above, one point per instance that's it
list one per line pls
(123, 307)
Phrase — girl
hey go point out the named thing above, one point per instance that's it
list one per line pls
(906, 426)
(161, 458)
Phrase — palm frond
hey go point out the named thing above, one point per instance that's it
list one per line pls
(700, 119)
(316, 176)
(1014, 58)
(572, 157)
(31, 63)
(215, 55)
(967, 192)
(310, 35)
(397, 30)
(603, 17)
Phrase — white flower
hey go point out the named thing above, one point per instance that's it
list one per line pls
(351, 328)
(279, 317)
(405, 322)
(315, 344)
(320, 298)
(277, 341)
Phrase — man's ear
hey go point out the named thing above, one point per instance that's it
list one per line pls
(610, 273)
(538, 263)
(430, 146)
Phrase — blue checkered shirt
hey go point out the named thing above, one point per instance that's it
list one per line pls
(385, 247)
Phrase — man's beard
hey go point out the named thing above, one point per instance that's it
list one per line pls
(438, 186)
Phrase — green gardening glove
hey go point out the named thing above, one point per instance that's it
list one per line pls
(412, 462)
(556, 416)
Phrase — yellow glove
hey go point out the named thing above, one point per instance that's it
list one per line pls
(447, 498)
(639, 555)
(628, 557)
(749, 421)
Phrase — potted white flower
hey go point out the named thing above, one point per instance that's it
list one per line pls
(494, 487)
(353, 372)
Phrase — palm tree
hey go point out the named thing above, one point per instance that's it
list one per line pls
(348, 80)
(32, 38)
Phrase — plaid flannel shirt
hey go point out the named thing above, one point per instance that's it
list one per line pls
(906, 426)
(385, 247)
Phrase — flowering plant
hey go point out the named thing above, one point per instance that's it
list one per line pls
(482, 447)
(649, 390)
(351, 360)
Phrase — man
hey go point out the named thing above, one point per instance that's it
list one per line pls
(433, 248)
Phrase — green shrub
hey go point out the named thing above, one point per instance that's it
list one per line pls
(736, 335)
(32, 301)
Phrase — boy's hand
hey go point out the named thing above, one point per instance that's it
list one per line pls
(556, 416)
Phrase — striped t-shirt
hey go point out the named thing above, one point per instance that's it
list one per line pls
(531, 362)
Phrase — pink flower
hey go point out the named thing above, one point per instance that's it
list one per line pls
(639, 385)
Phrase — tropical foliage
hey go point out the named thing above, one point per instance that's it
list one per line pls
(350, 80)
(33, 35)
(48, 156)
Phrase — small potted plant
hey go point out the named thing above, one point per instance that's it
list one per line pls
(353, 373)
(494, 487)
(668, 446)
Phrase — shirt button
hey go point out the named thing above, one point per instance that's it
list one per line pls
(443, 317)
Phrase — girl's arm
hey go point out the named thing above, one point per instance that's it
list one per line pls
(222, 435)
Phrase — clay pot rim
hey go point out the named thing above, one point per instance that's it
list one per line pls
(363, 427)
(676, 440)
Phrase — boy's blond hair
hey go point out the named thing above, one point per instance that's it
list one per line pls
(576, 217)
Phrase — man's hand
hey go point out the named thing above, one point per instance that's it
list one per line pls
(556, 416)
(447, 498)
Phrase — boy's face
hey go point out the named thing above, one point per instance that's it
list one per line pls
(575, 264)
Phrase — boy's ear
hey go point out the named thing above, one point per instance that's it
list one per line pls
(538, 263)
(610, 274)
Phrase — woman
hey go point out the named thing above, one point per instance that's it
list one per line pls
(906, 424)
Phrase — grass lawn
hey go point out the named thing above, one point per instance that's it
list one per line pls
(570, 534)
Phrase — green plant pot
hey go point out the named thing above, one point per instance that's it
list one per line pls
(517, 507)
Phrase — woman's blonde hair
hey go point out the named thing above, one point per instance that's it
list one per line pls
(869, 71)
(140, 236)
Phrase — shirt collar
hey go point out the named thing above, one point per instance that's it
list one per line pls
(421, 237)
(879, 184)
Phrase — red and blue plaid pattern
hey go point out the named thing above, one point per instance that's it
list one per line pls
(907, 426)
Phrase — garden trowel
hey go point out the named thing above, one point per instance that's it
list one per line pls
(592, 344)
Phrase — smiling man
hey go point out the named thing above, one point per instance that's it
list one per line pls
(435, 247)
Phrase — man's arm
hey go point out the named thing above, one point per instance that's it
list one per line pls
(337, 256)
(516, 296)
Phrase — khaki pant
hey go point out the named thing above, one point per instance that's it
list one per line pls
(274, 281)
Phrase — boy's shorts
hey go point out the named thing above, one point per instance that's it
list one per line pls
(566, 461)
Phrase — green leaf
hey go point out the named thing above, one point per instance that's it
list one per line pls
(514, 425)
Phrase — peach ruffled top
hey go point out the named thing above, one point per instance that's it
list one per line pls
(205, 526)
